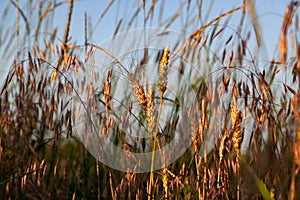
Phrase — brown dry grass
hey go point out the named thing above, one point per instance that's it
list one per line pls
(42, 158)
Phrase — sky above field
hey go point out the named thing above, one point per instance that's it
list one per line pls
(269, 14)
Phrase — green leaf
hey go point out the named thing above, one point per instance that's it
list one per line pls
(213, 33)
(259, 184)
(263, 189)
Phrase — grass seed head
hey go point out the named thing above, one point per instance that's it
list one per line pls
(150, 109)
(162, 72)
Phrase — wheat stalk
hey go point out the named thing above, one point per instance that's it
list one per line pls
(162, 83)
(237, 136)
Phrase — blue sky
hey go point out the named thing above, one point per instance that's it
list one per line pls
(269, 13)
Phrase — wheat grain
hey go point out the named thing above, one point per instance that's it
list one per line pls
(162, 72)
(150, 109)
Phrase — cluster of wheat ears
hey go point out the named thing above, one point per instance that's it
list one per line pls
(249, 114)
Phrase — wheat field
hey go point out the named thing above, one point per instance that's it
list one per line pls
(228, 117)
